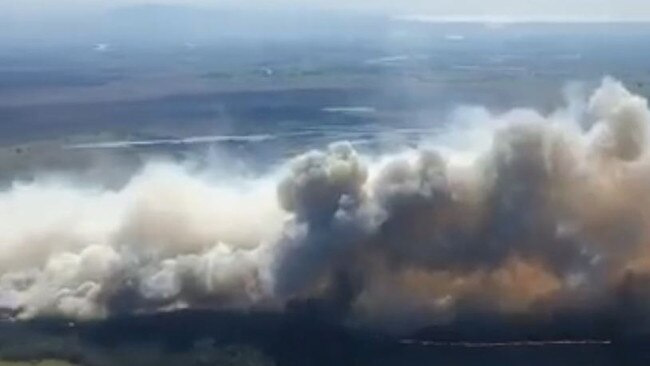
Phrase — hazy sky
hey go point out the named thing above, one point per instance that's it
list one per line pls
(517, 9)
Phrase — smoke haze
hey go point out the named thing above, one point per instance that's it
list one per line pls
(516, 213)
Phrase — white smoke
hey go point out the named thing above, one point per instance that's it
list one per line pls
(64, 249)
(505, 213)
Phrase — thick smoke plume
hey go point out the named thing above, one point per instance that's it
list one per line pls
(551, 213)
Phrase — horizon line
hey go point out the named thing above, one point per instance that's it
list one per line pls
(507, 20)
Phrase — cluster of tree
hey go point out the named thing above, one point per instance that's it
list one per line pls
(300, 338)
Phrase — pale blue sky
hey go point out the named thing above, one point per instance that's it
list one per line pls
(506, 9)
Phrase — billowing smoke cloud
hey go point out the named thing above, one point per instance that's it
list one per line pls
(551, 213)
